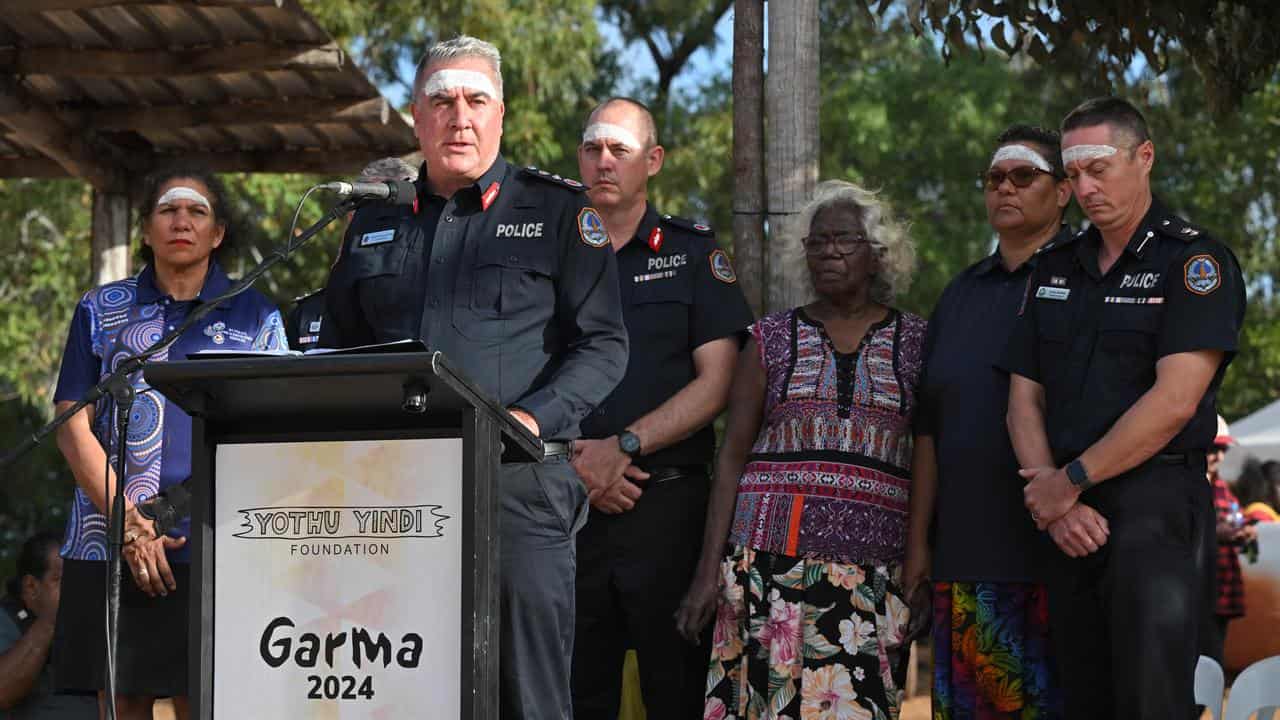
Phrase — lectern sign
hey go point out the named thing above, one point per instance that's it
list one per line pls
(335, 579)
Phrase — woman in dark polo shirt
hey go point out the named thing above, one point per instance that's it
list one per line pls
(990, 628)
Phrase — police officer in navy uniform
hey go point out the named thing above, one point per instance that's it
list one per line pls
(1116, 362)
(648, 445)
(508, 272)
(306, 317)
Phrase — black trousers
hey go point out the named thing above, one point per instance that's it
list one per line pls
(633, 570)
(1128, 619)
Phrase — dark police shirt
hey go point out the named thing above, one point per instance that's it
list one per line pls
(1092, 340)
(679, 291)
(305, 320)
(982, 531)
(512, 279)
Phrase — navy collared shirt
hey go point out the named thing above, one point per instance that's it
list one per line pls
(679, 291)
(1093, 339)
(123, 318)
(512, 278)
(982, 532)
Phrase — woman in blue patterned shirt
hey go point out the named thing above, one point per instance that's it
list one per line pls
(184, 226)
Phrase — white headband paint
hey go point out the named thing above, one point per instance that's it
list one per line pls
(1021, 152)
(1085, 153)
(443, 81)
(605, 131)
(179, 192)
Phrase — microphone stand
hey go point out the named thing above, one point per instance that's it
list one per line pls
(118, 386)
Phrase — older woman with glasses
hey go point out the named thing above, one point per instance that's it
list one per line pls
(811, 485)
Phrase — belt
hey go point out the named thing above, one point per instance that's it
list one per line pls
(556, 448)
(1181, 458)
(674, 472)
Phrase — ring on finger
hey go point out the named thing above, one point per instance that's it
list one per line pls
(142, 573)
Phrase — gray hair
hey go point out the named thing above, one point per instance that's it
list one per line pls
(463, 46)
(388, 168)
(888, 237)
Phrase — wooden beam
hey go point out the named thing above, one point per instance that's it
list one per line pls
(242, 57)
(30, 167)
(37, 6)
(42, 129)
(276, 111)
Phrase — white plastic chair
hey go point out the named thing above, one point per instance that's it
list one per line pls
(1257, 689)
(1209, 685)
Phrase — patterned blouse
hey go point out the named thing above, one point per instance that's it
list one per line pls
(117, 320)
(830, 472)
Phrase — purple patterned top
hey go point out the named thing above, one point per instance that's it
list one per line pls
(830, 472)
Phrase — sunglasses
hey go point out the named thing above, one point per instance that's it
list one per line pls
(1021, 176)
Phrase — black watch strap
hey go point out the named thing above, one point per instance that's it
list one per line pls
(1078, 475)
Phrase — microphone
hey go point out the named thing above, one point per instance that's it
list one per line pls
(391, 192)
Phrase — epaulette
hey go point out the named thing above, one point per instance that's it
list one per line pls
(1176, 227)
(570, 183)
(689, 225)
(308, 296)
(1059, 242)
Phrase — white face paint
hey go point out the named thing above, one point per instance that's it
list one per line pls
(1021, 152)
(596, 132)
(448, 80)
(1086, 153)
(179, 192)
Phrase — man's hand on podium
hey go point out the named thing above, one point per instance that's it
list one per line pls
(526, 420)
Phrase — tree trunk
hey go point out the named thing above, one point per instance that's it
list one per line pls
(110, 259)
(748, 150)
(791, 144)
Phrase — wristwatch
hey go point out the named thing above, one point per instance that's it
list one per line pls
(629, 443)
(1078, 475)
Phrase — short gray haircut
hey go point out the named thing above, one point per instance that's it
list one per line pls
(887, 236)
(463, 46)
(388, 168)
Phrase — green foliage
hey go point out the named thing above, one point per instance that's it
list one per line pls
(1232, 45)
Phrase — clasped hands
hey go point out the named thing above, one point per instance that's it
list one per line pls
(1077, 529)
(144, 552)
(613, 483)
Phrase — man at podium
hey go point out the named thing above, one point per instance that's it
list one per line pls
(508, 272)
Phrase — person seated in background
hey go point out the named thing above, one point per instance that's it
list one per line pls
(27, 614)
(1258, 489)
(306, 317)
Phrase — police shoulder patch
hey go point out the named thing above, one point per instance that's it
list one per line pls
(691, 226)
(721, 268)
(591, 228)
(553, 178)
(1202, 274)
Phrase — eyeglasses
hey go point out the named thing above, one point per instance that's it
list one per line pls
(1021, 176)
(846, 243)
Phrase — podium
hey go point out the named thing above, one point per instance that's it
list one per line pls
(344, 535)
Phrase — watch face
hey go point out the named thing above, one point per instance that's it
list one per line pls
(629, 442)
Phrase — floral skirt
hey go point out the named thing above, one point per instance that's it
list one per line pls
(991, 653)
(801, 638)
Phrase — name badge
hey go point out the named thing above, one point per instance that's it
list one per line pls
(377, 238)
(1052, 293)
